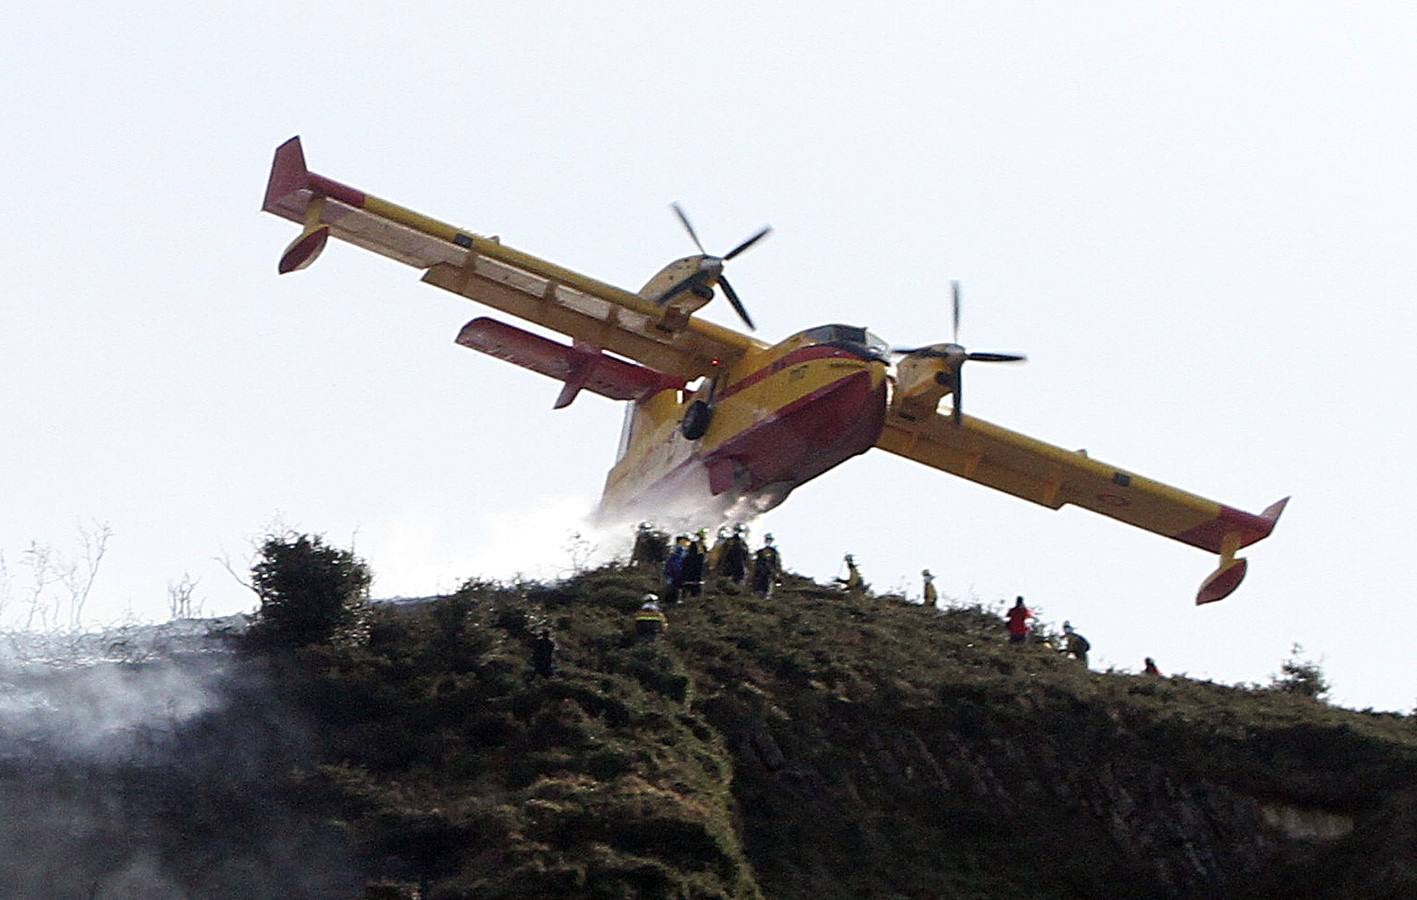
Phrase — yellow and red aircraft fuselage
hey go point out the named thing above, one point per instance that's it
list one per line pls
(780, 418)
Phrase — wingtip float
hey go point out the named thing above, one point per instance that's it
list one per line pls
(1237, 529)
(723, 422)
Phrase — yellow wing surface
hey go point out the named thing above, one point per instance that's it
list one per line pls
(485, 270)
(1053, 477)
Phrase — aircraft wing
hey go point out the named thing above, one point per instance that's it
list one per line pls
(484, 269)
(1054, 477)
(579, 366)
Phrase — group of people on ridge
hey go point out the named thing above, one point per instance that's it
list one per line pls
(1073, 644)
(686, 563)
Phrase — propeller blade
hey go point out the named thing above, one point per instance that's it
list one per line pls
(954, 291)
(732, 296)
(958, 398)
(676, 290)
(687, 227)
(762, 233)
(997, 357)
(929, 351)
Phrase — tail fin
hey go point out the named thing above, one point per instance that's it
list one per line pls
(288, 174)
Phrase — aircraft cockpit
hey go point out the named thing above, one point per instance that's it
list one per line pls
(858, 341)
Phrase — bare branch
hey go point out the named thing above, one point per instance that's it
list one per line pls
(224, 560)
(40, 560)
(94, 542)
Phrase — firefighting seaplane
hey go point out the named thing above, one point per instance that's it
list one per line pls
(718, 419)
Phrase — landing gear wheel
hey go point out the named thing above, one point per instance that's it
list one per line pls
(696, 420)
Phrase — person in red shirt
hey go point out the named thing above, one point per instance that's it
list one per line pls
(1018, 618)
(1151, 668)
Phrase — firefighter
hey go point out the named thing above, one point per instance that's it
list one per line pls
(853, 582)
(650, 622)
(693, 570)
(649, 547)
(929, 594)
(674, 568)
(1074, 644)
(715, 555)
(766, 566)
(733, 564)
(543, 653)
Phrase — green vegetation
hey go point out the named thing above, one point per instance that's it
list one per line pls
(1298, 675)
(311, 593)
(820, 745)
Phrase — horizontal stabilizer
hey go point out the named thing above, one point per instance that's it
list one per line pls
(580, 366)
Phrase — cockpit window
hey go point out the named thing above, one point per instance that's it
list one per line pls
(851, 335)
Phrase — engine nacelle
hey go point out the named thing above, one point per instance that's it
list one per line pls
(686, 300)
(921, 382)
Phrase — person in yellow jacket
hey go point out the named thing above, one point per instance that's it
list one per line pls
(715, 553)
(930, 596)
(853, 583)
(650, 622)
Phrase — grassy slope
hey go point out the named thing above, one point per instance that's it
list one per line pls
(818, 745)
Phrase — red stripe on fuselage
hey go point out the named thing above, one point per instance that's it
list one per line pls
(800, 355)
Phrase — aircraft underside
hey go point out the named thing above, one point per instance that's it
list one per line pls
(759, 467)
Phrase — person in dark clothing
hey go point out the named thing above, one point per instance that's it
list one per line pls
(692, 584)
(766, 566)
(674, 569)
(650, 547)
(734, 562)
(1151, 668)
(1074, 644)
(543, 653)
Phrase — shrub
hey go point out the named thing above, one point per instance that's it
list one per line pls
(1301, 676)
(311, 593)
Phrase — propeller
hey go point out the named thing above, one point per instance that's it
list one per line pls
(711, 270)
(956, 355)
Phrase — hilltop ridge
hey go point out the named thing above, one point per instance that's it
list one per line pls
(816, 744)
(819, 744)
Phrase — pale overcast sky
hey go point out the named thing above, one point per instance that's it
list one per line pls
(1198, 219)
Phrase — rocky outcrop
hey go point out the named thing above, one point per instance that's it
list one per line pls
(1148, 823)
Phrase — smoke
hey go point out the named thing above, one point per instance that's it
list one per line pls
(156, 778)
